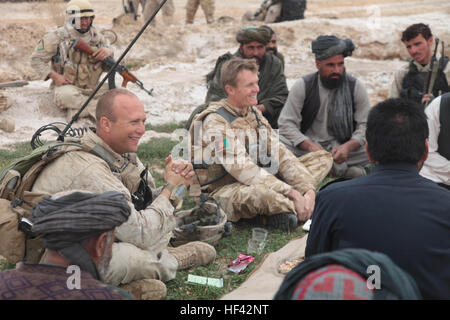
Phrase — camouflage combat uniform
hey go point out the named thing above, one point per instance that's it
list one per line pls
(80, 67)
(142, 251)
(168, 9)
(208, 7)
(247, 189)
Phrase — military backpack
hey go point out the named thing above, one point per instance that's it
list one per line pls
(17, 200)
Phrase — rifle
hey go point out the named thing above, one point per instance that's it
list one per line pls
(432, 73)
(63, 133)
(17, 83)
(109, 62)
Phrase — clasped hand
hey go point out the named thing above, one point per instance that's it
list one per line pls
(178, 171)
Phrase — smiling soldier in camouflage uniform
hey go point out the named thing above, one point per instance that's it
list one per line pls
(74, 73)
(142, 260)
(279, 194)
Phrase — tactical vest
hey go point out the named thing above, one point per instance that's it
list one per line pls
(125, 167)
(444, 133)
(413, 85)
(214, 176)
(17, 199)
(76, 65)
(311, 104)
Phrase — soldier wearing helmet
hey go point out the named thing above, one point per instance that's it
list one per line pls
(74, 73)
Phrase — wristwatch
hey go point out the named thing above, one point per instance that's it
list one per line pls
(176, 193)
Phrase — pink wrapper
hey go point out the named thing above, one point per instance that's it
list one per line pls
(238, 265)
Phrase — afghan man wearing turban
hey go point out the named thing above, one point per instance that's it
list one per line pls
(78, 233)
(273, 89)
(328, 110)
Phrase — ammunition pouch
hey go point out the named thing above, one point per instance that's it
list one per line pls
(143, 197)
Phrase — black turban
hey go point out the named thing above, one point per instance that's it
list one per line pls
(250, 34)
(67, 220)
(325, 47)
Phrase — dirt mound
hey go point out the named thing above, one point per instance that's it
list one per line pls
(174, 59)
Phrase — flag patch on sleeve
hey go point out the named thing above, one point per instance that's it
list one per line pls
(222, 145)
(40, 45)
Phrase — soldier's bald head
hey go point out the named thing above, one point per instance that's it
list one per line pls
(105, 105)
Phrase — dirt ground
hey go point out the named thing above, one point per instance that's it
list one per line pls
(173, 60)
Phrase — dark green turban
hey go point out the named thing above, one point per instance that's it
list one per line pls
(250, 34)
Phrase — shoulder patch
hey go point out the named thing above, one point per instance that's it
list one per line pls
(40, 45)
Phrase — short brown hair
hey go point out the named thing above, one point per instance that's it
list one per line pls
(232, 67)
(414, 30)
(106, 103)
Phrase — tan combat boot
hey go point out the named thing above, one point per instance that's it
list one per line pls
(7, 124)
(193, 254)
(146, 289)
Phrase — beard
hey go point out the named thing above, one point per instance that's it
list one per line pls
(258, 59)
(332, 83)
(272, 50)
(103, 263)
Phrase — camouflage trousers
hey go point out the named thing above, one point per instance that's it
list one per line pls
(355, 158)
(208, 7)
(168, 10)
(129, 263)
(71, 98)
(136, 4)
(243, 201)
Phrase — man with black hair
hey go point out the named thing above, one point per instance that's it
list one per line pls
(393, 210)
(328, 110)
(74, 73)
(410, 81)
(272, 46)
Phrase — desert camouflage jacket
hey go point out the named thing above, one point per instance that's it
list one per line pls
(99, 169)
(54, 52)
(229, 146)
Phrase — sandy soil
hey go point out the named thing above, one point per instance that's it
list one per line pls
(174, 59)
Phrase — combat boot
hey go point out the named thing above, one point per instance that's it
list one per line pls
(286, 222)
(146, 289)
(193, 254)
(7, 124)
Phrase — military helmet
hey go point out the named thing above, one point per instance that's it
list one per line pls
(79, 8)
(206, 222)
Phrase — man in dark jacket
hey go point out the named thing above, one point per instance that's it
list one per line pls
(273, 89)
(393, 210)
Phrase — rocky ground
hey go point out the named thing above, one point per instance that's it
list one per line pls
(173, 60)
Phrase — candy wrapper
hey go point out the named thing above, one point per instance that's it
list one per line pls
(238, 265)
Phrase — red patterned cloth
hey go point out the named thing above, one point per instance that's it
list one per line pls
(333, 282)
